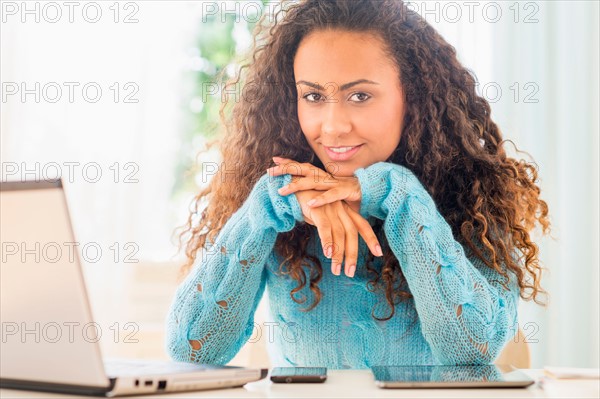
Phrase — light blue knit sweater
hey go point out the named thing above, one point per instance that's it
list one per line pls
(462, 312)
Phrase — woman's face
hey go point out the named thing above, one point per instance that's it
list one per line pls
(349, 95)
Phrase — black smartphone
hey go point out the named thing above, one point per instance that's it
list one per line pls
(299, 374)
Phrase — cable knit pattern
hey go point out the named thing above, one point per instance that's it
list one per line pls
(461, 312)
(466, 313)
(212, 314)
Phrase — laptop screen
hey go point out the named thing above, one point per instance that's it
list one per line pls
(45, 313)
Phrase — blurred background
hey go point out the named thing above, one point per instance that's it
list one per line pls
(121, 99)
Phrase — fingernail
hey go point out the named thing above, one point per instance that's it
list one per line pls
(328, 252)
(338, 269)
(311, 202)
(378, 251)
(277, 159)
(351, 270)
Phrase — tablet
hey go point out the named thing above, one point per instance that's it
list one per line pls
(482, 376)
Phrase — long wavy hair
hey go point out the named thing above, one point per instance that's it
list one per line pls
(448, 140)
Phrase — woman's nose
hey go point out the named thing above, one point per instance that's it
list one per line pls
(336, 119)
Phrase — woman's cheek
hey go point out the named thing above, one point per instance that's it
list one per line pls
(309, 124)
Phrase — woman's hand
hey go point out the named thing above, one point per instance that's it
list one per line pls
(336, 221)
(336, 188)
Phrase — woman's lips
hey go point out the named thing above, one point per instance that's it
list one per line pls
(342, 156)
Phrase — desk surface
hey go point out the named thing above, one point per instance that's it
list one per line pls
(360, 384)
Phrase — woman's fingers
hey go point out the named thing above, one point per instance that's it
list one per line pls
(334, 189)
(346, 189)
(297, 168)
(328, 197)
(329, 228)
(324, 230)
(338, 226)
(351, 243)
(301, 182)
(306, 176)
(366, 231)
(338, 244)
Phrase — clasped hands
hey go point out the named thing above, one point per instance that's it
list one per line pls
(332, 204)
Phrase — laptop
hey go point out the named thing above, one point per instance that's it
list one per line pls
(464, 376)
(47, 343)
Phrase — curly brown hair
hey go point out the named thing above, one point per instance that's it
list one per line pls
(449, 141)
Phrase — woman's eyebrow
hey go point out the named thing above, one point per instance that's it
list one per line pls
(345, 86)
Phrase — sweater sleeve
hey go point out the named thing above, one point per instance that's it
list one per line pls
(467, 310)
(212, 314)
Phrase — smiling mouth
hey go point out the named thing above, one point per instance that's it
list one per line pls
(342, 153)
(342, 149)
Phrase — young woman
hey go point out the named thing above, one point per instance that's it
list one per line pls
(372, 115)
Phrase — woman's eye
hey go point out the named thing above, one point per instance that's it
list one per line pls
(312, 97)
(360, 97)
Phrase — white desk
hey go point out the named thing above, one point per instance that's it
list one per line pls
(360, 384)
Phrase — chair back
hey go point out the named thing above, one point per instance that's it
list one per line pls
(516, 352)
